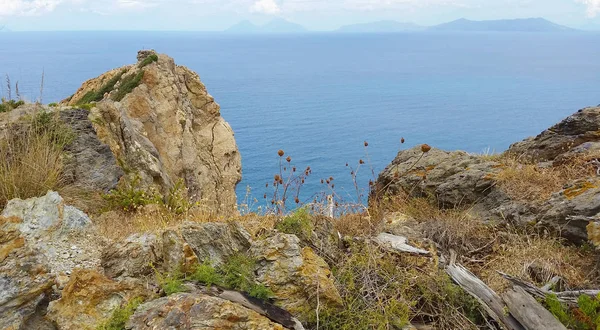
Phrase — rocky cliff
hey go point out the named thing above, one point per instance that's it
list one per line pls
(162, 125)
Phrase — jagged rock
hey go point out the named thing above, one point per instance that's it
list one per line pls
(133, 258)
(167, 128)
(60, 232)
(196, 311)
(454, 178)
(89, 299)
(216, 241)
(25, 281)
(575, 130)
(177, 253)
(570, 211)
(296, 275)
(90, 163)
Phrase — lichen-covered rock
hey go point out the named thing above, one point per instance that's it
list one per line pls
(575, 130)
(570, 211)
(216, 241)
(90, 298)
(62, 233)
(134, 257)
(177, 253)
(24, 276)
(593, 230)
(166, 128)
(453, 178)
(296, 275)
(195, 311)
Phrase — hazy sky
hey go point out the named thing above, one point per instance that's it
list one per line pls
(314, 14)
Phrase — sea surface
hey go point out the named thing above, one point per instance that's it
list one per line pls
(320, 96)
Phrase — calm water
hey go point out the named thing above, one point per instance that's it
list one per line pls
(319, 97)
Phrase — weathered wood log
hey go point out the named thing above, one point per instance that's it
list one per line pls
(529, 312)
(489, 300)
(399, 244)
(566, 297)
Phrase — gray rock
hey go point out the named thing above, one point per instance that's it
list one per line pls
(132, 258)
(216, 241)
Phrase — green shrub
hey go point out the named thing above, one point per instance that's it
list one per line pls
(298, 223)
(260, 291)
(121, 315)
(87, 106)
(95, 96)
(53, 105)
(8, 105)
(130, 196)
(177, 200)
(128, 84)
(150, 59)
(171, 283)
(207, 274)
(586, 316)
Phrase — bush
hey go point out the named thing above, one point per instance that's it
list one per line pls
(128, 84)
(171, 283)
(120, 316)
(95, 96)
(207, 274)
(8, 105)
(298, 223)
(586, 316)
(150, 59)
(31, 158)
(130, 196)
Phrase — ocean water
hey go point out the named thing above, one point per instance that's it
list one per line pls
(320, 96)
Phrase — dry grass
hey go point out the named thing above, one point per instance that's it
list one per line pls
(529, 182)
(30, 165)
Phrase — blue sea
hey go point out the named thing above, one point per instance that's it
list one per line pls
(320, 96)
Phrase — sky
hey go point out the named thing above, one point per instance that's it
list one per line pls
(318, 15)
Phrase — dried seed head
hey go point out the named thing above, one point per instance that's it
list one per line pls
(370, 182)
(294, 169)
(361, 161)
(280, 153)
(346, 164)
(297, 200)
(280, 181)
(277, 177)
(330, 178)
(302, 181)
(396, 174)
(265, 196)
(332, 186)
(322, 181)
(289, 159)
(402, 140)
(267, 185)
(366, 144)
(425, 148)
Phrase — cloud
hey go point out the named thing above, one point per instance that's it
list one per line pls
(269, 7)
(593, 7)
(27, 7)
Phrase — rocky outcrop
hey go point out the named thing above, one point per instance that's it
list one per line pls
(458, 179)
(89, 299)
(134, 257)
(578, 129)
(216, 241)
(196, 311)
(454, 178)
(163, 126)
(25, 279)
(296, 275)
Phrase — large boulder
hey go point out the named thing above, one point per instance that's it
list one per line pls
(216, 241)
(578, 129)
(196, 311)
(298, 277)
(163, 126)
(453, 178)
(89, 299)
(25, 280)
(60, 232)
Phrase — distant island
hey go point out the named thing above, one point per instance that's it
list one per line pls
(282, 26)
(506, 25)
(275, 26)
(381, 27)
(4, 29)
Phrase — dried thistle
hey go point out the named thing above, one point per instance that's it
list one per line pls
(280, 153)
(402, 140)
(289, 159)
(425, 148)
(361, 161)
(366, 144)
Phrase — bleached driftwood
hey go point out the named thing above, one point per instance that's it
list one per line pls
(489, 300)
(567, 297)
(529, 312)
(399, 244)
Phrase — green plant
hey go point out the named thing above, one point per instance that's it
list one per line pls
(586, 316)
(260, 291)
(128, 84)
(130, 196)
(53, 105)
(121, 315)
(171, 283)
(206, 273)
(298, 223)
(177, 200)
(87, 106)
(8, 105)
(148, 60)
(95, 96)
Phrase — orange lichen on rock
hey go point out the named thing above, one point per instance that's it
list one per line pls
(578, 189)
(593, 230)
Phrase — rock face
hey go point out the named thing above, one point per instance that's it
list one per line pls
(577, 129)
(167, 128)
(195, 311)
(25, 281)
(459, 179)
(454, 178)
(216, 241)
(295, 274)
(89, 299)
